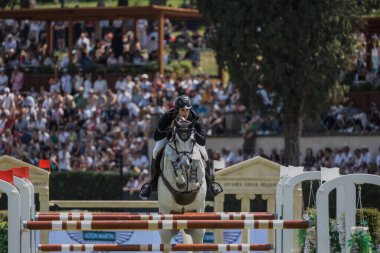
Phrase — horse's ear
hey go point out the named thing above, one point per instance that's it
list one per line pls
(176, 122)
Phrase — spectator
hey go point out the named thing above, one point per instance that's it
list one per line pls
(309, 160)
(274, 156)
(193, 54)
(366, 158)
(262, 153)
(64, 159)
(3, 80)
(17, 79)
(142, 26)
(132, 184)
(60, 31)
(100, 85)
(66, 82)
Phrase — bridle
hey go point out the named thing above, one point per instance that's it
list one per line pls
(184, 135)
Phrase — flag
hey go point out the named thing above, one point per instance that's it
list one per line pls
(6, 175)
(21, 172)
(44, 164)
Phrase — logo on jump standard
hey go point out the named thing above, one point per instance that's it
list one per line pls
(249, 185)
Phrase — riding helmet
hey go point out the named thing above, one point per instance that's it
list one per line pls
(183, 101)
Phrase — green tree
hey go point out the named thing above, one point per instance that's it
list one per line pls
(296, 49)
(24, 4)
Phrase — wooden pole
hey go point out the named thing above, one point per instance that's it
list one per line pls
(189, 216)
(161, 22)
(49, 36)
(166, 224)
(70, 38)
(152, 247)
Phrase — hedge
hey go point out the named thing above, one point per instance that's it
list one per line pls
(86, 186)
(3, 237)
(372, 217)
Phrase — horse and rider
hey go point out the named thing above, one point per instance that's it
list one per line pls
(183, 110)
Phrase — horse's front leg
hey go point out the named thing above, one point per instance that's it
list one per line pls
(167, 235)
(187, 237)
(193, 179)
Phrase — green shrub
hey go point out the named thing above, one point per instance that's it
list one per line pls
(3, 237)
(372, 217)
(85, 186)
(186, 66)
(181, 68)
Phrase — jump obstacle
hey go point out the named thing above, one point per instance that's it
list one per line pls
(70, 216)
(19, 191)
(166, 224)
(152, 247)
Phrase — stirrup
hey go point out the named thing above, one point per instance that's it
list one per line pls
(215, 188)
(145, 190)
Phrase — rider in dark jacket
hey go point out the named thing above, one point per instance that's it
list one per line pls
(162, 134)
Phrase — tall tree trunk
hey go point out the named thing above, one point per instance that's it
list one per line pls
(292, 134)
(122, 3)
(157, 2)
(292, 130)
(27, 4)
(101, 3)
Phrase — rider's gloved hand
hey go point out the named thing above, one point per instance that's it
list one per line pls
(169, 135)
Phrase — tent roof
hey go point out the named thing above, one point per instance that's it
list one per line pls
(98, 13)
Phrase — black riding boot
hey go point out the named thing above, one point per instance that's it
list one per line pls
(214, 187)
(147, 188)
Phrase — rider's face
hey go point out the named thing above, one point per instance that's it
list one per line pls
(182, 112)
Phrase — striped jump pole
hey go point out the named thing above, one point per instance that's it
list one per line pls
(152, 247)
(166, 224)
(128, 213)
(195, 216)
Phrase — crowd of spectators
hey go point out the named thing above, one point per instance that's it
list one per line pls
(367, 71)
(104, 43)
(360, 160)
(351, 119)
(84, 123)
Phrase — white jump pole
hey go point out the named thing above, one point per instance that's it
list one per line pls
(14, 223)
(348, 183)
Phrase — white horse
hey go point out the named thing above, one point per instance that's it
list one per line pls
(182, 184)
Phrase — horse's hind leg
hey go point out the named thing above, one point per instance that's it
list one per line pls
(167, 235)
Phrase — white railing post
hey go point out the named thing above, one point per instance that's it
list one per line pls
(24, 191)
(347, 183)
(14, 224)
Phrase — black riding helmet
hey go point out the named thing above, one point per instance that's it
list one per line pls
(183, 102)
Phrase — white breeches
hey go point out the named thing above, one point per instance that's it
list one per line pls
(158, 146)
